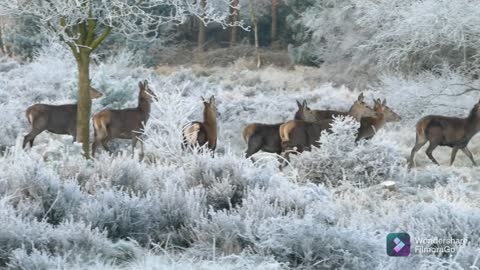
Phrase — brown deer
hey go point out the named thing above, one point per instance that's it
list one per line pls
(302, 134)
(370, 125)
(359, 109)
(266, 137)
(58, 119)
(123, 124)
(453, 132)
(200, 133)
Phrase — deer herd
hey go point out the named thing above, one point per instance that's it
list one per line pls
(293, 136)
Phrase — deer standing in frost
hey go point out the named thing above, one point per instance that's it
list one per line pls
(370, 125)
(58, 119)
(124, 124)
(266, 137)
(200, 133)
(453, 132)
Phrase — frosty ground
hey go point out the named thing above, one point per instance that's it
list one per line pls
(327, 209)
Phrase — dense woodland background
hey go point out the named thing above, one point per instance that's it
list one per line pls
(328, 209)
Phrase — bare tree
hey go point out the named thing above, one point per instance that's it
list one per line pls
(253, 14)
(234, 11)
(201, 26)
(274, 19)
(84, 24)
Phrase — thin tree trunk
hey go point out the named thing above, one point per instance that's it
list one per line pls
(84, 100)
(202, 27)
(1, 39)
(274, 20)
(255, 30)
(234, 19)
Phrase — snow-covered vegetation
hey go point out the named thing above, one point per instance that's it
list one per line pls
(327, 209)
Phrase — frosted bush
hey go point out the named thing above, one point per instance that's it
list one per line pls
(163, 217)
(414, 35)
(430, 92)
(37, 191)
(36, 259)
(339, 158)
(314, 245)
(72, 241)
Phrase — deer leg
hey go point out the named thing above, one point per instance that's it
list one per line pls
(94, 146)
(454, 153)
(419, 143)
(104, 144)
(134, 143)
(30, 137)
(429, 152)
(254, 145)
(141, 150)
(469, 155)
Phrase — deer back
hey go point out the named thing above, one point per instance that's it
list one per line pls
(59, 119)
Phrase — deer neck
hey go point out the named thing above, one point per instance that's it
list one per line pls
(354, 113)
(379, 120)
(473, 123)
(144, 107)
(210, 119)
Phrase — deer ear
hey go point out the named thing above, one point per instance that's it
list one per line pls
(299, 104)
(384, 102)
(203, 99)
(140, 85)
(212, 99)
(360, 97)
(304, 104)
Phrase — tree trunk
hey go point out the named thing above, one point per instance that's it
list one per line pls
(255, 30)
(234, 19)
(84, 100)
(274, 20)
(1, 39)
(201, 27)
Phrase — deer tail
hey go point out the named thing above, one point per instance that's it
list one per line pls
(99, 125)
(29, 115)
(421, 129)
(248, 132)
(285, 131)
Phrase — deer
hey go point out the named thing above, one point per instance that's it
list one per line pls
(448, 131)
(198, 133)
(358, 110)
(303, 135)
(266, 137)
(370, 125)
(127, 123)
(58, 119)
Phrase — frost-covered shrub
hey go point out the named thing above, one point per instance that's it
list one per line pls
(431, 92)
(222, 177)
(37, 191)
(163, 217)
(312, 244)
(71, 240)
(35, 259)
(417, 35)
(339, 158)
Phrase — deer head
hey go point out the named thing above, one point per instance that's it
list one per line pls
(94, 93)
(304, 112)
(146, 92)
(210, 107)
(390, 115)
(360, 108)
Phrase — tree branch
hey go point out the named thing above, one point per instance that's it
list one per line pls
(91, 28)
(101, 38)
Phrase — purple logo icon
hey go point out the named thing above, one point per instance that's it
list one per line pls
(398, 244)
